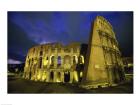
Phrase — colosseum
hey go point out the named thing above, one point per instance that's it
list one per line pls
(54, 62)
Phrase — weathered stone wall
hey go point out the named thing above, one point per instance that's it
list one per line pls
(103, 61)
(53, 63)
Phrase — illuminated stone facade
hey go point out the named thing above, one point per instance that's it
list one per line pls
(53, 63)
(103, 62)
(57, 63)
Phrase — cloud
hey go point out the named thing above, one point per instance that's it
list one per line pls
(13, 61)
(18, 40)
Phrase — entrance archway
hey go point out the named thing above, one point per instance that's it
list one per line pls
(75, 59)
(52, 61)
(51, 76)
(66, 76)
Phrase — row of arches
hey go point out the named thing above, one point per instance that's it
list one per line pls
(66, 76)
(67, 59)
(54, 76)
(54, 61)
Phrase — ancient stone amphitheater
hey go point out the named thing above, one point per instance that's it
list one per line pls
(54, 62)
(57, 63)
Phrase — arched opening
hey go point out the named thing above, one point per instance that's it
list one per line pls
(40, 62)
(51, 76)
(41, 53)
(59, 61)
(30, 75)
(66, 76)
(47, 58)
(32, 61)
(52, 61)
(75, 60)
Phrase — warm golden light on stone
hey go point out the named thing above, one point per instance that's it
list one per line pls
(103, 61)
(54, 62)
(81, 74)
(75, 76)
(45, 62)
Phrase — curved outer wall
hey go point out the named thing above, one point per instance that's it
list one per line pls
(53, 63)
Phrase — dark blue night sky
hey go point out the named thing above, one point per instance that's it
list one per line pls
(26, 29)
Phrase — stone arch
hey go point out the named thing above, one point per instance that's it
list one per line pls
(75, 59)
(51, 76)
(66, 76)
(41, 53)
(47, 58)
(52, 60)
(30, 74)
(59, 61)
(40, 62)
(67, 62)
(67, 59)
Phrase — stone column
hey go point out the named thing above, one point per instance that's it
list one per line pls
(48, 64)
(47, 76)
(62, 76)
(71, 60)
(71, 77)
(55, 61)
(49, 58)
(62, 61)
(55, 77)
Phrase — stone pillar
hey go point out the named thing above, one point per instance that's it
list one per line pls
(47, 76)
(55, 77)
(62, 61)
(62, 76)
(55, 61)
(71, 60)
(71, 77)
(49, 61)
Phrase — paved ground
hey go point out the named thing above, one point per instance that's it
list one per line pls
(18, 85)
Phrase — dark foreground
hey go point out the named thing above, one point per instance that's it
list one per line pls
(18, 85)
